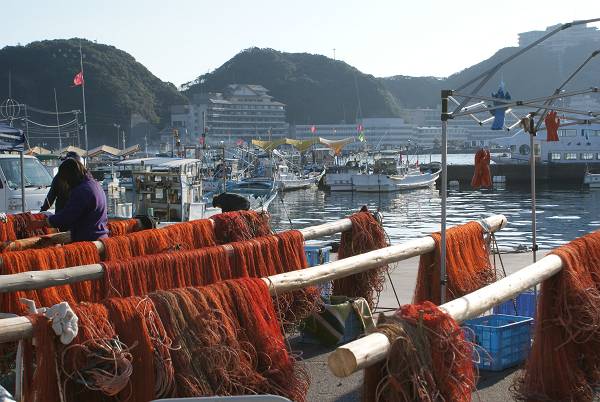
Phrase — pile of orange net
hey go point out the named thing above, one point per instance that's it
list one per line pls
(220, 339)
(564, 362)
(366, 235)
(468, 265)
(429, 359)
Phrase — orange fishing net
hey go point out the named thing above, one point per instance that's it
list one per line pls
(468, 265)
(181, 236)
(221, 339)
(429, 359)
(366, 235)
(482, 176)
(121, 227)
(260, 257)
(45, 259)
(240, 225)
(15, 227)
(564, 362)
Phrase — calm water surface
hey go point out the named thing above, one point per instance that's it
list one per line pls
(562, 214)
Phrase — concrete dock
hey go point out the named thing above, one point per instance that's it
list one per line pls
(492, 386)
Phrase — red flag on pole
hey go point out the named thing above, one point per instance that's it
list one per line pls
(78, 79)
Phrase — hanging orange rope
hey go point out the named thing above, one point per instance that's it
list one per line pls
(366, 235)
(429, 359)
(225, 337)
(482, 176)
(564, 362)
(468, 265)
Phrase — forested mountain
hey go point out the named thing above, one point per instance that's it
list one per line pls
(116, 84)
(315, 88)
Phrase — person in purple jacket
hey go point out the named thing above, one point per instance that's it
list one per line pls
(84, 214)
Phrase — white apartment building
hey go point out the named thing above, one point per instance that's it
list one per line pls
(563, 39)
(241, 112)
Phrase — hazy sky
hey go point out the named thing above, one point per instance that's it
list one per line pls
(179, 40)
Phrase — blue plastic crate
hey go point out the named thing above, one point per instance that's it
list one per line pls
(317, 253)
(503, 340)
(526, 304)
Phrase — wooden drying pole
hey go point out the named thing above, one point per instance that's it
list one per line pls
(309, 233)
(12, 329)
(51, 240)
(373, 348)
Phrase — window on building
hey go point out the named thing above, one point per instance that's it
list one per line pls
(554, 156)
(587, 156)
(570, 156)
(590, 133)
(524, 149)
(567, 133)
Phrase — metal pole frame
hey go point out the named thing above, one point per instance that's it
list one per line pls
(481, 80)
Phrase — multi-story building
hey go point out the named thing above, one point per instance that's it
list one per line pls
(563, 39)
(241, 112)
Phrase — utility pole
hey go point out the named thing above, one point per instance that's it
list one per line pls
(118, 126)
(85, 133)
(123, 132)
(57, 121)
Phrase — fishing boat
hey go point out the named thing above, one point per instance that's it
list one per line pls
(577, 145)
(592, 179)
(288, 181)
(406, 179)
(387, 174)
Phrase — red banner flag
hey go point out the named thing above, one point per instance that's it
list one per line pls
(313, 129)
(78, 79)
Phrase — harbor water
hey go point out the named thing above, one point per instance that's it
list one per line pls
(562, 213)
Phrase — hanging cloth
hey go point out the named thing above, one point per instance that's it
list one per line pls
(498, 114)
(552, 123)
(482, 176)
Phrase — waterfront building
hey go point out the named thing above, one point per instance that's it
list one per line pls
(241, 112)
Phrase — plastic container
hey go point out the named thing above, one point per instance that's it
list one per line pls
(318, 253)
(525, 303)
(503, 340)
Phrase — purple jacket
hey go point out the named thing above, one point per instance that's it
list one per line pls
(85, 212)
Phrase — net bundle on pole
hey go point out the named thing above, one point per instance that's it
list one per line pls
(564, 362)
(240, 225)
(15, 227)
(365, 235)
(221, 339)
(468, 266)
(260, 257)
(74, 254)
(429, 360)
(120, 227)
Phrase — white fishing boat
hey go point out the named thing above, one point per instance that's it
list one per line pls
(386, 175)
(382, 183)
(592, 179)
(288, 181)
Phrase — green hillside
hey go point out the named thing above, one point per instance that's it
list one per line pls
(316, 89)
(116, 84)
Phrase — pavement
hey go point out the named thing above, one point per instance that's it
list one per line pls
(325, 387)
